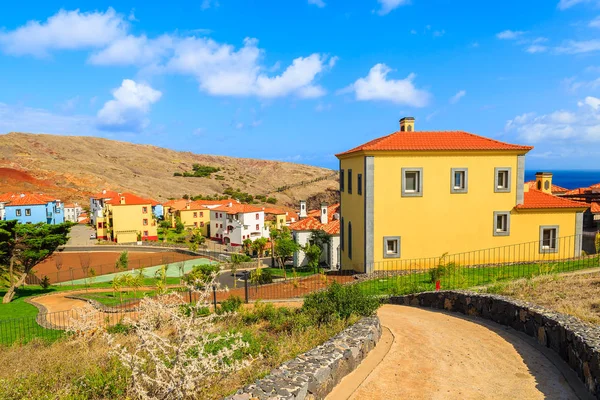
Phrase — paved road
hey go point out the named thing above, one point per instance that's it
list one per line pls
(80, 236)
(435, 355)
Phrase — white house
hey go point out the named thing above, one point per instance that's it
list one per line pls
(72, 212)
(325, 219)
(233, 223)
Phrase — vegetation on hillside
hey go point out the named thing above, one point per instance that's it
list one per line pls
(199, 171)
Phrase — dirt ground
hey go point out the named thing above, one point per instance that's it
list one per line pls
(574, 294)
(439, 356)
(101, 262)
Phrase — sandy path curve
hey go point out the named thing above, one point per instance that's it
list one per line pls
(434, 355)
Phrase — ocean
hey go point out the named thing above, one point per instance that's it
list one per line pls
(570, 179)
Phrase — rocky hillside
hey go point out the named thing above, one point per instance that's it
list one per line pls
(73, 166)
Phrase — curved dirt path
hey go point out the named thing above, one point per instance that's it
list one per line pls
(434, 355)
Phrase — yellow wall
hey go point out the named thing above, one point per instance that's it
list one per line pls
(353, 210)
(127, 220)
(188, 219)
(278, 223)
(440, 221)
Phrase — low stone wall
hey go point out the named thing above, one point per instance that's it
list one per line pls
(574, 341)
(315, 373)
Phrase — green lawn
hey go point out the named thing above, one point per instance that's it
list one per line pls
(114, 299)
(456, 277)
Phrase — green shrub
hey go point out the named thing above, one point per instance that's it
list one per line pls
(45, 282)
(201, 273)
(272, 200)
(232, 304)
(119, 328)
(339, 302)
(261, 276)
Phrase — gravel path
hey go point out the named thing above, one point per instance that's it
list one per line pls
(434, 355)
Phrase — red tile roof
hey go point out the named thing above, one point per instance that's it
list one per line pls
(313, 221)
(554, 189)
(595, 186)
(443, 140)
(130, 199)
(237, 208)
(26, 199)
(595, 207)
(577, 191)
(536, 199)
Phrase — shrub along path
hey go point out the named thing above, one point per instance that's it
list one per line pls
(435, 355)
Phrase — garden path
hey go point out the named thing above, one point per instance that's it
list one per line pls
(436, 355)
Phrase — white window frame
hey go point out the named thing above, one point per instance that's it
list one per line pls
(397, 240)
(465, 186)
(505, 232)
(419, 190)
(18, 213)
(506, 188)
(28, 212)
(546, 249)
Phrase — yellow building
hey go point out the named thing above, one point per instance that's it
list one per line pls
(413, 195)
(193, 214)
(278, 218)
(124, 217)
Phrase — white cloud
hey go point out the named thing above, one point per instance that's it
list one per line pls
(323, 107)
(509, 35)
(127, 112)
(459, 95)
(389, 5)
(595, 23)
(566, 128)
(579, 47)
(536, 48)
(376, 86)
(564, 4)
(70, 104)
(223, 70)
(133, 50)
(66, 30)
(318, 3)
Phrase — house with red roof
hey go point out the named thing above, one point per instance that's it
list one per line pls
(31, 208)
(123, 217)
(415, 195)
(72, 212)
(327, 219)
(193, 214)
(234, 222)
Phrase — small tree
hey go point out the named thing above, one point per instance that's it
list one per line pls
(260, 245)
(179, 226)
(313, 254)
(137, 281)
(161, 279)
(122, 261)
(285, 246)
(597, 242)
(247, 245)
(92, 276)
(117, 284)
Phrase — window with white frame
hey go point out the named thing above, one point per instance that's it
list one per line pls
(391, 246)
(412, 182)
(501, 223)
(459, 180)
(18, 213)
(549, 239)
(27, 212)
(502, 180)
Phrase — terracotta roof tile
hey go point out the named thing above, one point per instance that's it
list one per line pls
(554, 189)
(237, 208)
(537, 199)
(443, 140)
(26, 199)
(130, 199)
(577, 191)
(595, 207)
(313, 221)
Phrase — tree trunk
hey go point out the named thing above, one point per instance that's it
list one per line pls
(11, 292)
(12, 262)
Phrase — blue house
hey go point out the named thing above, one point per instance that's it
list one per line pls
(29, 208)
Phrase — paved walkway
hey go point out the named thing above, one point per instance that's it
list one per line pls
(434, 355)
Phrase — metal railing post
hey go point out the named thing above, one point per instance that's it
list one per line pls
(246, 286)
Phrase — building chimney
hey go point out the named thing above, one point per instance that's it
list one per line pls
(407, 124)
(543, 182)
(302, 208)
(324, 217)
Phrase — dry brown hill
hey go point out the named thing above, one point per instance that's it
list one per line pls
(74, 166)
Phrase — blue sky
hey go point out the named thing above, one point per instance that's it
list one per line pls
(303, 79)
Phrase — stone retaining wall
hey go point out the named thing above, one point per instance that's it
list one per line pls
(574, 341)
(315, 373)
